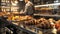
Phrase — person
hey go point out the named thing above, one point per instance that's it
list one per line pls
(28, 8)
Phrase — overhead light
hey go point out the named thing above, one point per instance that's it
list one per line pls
(54, 4)
(16, 1)
(20, 0)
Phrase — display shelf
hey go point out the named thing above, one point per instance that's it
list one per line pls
(56, 17)
(28, 29)
(48, 10)
(47, 6)
(33, 29)
(24, 29)
(47, 15)
(54, 4)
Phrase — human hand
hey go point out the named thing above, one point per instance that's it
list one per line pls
(22, 12)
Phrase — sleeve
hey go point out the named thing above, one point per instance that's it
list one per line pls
(26, 7)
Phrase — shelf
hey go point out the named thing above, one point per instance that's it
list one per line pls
(47, 15)
(54, 4)
(47, 6)
(25, 30)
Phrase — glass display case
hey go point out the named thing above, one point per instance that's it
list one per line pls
(47, 9)
(30, 23)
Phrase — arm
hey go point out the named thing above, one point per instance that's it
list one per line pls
(25, 10)
(26, 7)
